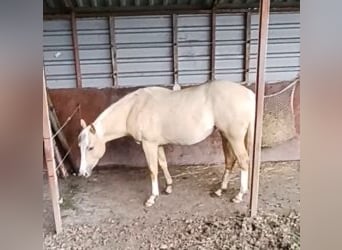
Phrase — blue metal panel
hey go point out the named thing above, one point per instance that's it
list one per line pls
(193, 48)
(283, 50)
(94, 52)
(58, 54)
(144, 50)
(230, 47)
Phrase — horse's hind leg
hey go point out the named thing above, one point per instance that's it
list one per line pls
(229, 163)
(163, 166)
(241, 154)
(151, 154)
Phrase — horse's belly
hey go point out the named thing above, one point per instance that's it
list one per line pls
(188, 133)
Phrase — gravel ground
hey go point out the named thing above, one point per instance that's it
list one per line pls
(106, 211)
(266, 231)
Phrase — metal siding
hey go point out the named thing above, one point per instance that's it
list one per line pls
(283, 49)
(144, 50)
(194, 48)
(58, 54)
(230, 46)
(94, 52)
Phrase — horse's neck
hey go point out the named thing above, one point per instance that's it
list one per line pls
(112, 121)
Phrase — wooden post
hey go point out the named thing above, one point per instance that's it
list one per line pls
(247, 44)
(260, 92)
(213, 45)
(175, 48)
(113, 50)
(75, 50)
(50, 161)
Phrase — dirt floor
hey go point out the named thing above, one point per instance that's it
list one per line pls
(106, 211)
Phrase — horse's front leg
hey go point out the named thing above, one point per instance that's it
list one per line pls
(151, 154)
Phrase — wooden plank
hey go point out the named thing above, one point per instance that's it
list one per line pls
(247, 45)
(260, 92)
(75, 50)
(61, 137)
(175, 47)
(113, 50)
(213, 45)
(50, 162)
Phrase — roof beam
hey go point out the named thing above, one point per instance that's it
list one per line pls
(94, 3)
(68, 4)
(151, 2)
(123, 3)
(51, 3)
(80, 3)
(109, 2)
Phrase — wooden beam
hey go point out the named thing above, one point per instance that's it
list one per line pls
(50, 162)
(76, 51)
(213, 45)
(55, 124)
(113, 50)
(158, 10)
(260, 92)
(175, 48)
(247, 45)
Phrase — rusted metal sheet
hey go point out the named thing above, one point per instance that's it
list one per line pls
(175, 47)
(125, 151)
(213, 45)
(260, 92)
(76, 51)
(247, 44)
(113, 50)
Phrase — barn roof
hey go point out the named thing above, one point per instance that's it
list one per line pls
(155, 6)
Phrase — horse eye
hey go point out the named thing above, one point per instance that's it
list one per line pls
(90, 148)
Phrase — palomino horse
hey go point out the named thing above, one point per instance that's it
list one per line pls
(156, 116)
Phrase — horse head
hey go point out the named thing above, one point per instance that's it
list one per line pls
(92, 147)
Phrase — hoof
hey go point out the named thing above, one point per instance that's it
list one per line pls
(237, 199)
(150, 202)
(219, 192)
(168, 189)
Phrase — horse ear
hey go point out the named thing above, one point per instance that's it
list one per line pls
(83, 123)
(92, 129)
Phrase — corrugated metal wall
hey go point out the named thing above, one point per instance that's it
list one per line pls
(194, 48)
(144, 49)
(283, 49)
(230, 47)
(58, 54)
(94, 52)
